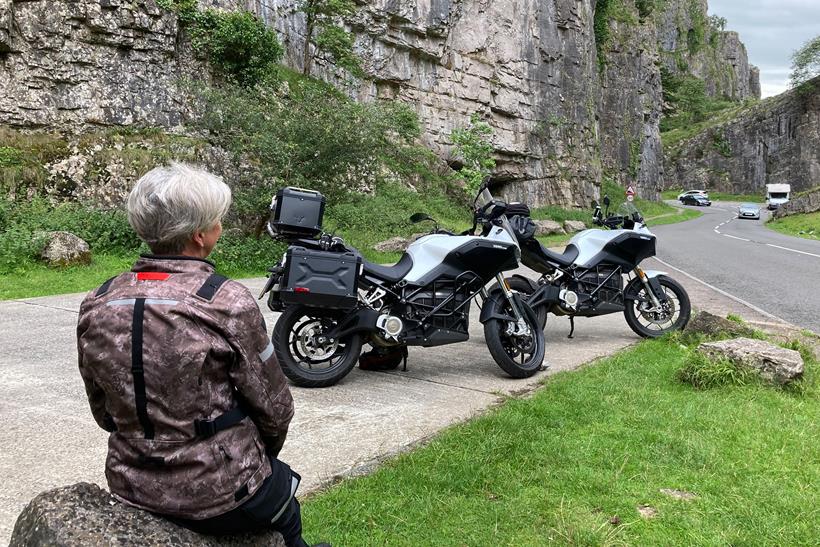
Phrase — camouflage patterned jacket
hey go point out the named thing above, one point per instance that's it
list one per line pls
(165, 350)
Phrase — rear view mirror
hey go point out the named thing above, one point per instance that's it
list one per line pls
(606, 201)
(420, 217)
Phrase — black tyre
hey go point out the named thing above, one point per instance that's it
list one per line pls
(652, 324)
(304, 357)
(518, 356)
(523, 287)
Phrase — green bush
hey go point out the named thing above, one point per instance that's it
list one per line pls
(238, 45)
(308, 135)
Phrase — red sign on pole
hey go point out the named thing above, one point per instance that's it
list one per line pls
(630, 193)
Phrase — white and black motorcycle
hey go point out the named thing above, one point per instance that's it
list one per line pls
(587, 279)
(333, 300)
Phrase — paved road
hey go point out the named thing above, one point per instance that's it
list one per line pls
(775, 272)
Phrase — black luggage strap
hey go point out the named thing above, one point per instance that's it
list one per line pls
(140, 397)
(209, 428)
(104, 287)
(212, 284)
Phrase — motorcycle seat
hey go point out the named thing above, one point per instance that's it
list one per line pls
(391, 274)
(564, 259)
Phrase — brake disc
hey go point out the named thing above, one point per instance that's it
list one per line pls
(307, 341)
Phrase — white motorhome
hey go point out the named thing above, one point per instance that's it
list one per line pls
(777, 195)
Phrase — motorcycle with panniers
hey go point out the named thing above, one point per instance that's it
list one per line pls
(333, 301)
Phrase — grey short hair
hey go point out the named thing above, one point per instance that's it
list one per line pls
(169, 204)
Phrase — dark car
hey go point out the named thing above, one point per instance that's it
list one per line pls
(695, 199)
(749, 210)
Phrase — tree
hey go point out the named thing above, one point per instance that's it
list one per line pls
(806, 62)
(325, 35)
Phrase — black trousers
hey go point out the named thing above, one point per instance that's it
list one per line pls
(257, 512)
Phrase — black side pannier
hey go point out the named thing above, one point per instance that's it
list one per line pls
(320, 279)
(297, 212)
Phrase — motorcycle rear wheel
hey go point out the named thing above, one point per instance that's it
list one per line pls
(304, 359)
(651, 324)
(520, 357)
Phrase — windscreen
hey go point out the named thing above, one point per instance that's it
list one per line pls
(778, 195)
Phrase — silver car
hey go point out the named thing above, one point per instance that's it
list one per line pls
(749, 210)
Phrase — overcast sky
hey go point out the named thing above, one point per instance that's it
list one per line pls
(771, 30)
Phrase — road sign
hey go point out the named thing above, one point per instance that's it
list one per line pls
(630, 193)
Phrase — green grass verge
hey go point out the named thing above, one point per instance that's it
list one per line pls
(586, 451)
(806, 225)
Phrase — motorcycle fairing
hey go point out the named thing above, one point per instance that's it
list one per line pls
(626, 248)
(439, 255)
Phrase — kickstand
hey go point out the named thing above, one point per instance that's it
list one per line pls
(571, 326)
(405, 353)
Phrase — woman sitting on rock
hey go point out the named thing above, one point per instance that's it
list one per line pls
(179, 369)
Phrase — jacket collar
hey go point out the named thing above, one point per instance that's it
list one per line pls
(172, 264)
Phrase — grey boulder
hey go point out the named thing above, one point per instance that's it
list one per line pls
(84, 514)
(548, 227)
(773, 363)
(64, 249)
(396, 244)
(709, 324)
(572, 226)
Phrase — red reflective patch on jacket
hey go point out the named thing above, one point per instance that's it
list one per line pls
(152, 276)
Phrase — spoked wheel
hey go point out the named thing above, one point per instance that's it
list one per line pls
(648, 322)
(307, 356)
(518, 349)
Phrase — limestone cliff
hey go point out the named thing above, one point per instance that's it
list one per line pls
(692, 42)
(774, 141)
(566, 107)
(78, 64)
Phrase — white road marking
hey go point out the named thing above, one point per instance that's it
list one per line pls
(792, 250)
(724, 293)
(735, 237)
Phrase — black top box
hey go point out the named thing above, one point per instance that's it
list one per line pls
(297, 212)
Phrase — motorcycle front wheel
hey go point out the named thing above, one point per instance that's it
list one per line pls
(674, 314)
(306, 357)
(519, 356)
(516, 284)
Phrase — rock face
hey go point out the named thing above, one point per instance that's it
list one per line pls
(527, 67)
(566, 111)
(773, 363)
(808, 202)
(774, 141)
(691, 43)
(70, 64)
(65, 249)
(84, 514)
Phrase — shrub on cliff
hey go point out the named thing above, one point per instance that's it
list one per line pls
(305, 133)
(237, 44)
(806, 62)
